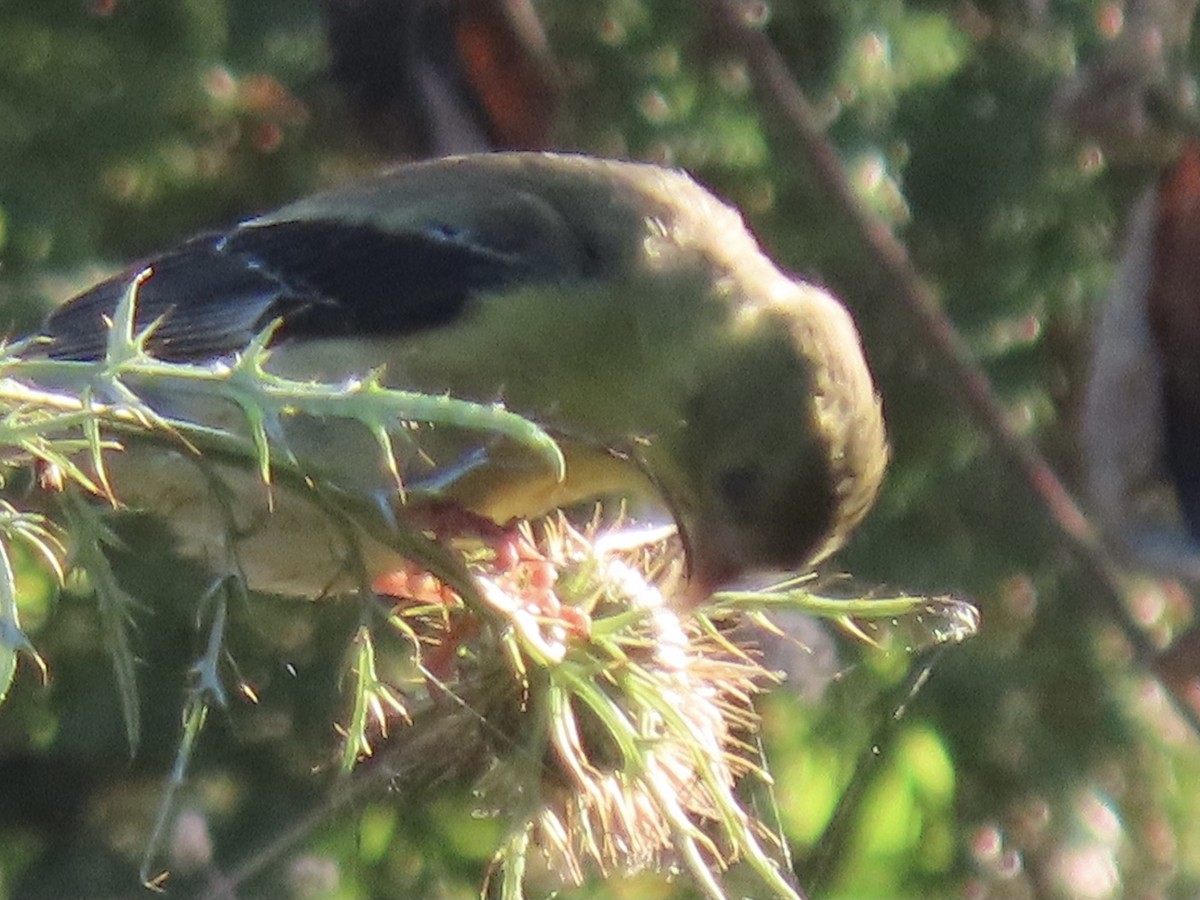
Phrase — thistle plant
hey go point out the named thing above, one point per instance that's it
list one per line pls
(63, 418)
(612, 732)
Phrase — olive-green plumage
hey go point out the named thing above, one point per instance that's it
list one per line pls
(621, 306)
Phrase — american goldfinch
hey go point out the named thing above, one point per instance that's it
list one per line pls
(621, 306)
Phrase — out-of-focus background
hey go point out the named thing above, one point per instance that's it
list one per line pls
(1002, 140)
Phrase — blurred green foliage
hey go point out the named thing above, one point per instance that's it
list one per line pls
(1035, 762)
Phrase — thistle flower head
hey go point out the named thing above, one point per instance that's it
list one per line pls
(617, 729)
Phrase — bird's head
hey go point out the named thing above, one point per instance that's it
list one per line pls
(778, 488)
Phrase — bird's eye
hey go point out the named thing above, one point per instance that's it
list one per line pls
(592, 261)
(740, 488)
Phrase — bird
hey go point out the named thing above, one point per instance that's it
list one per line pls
(1174, 318)
(620, 306)
(434, 77)
(1141, 414)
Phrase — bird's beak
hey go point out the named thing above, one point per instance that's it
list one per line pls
(708, 571)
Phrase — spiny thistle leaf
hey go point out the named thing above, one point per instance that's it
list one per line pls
(920, 622)
(13, 641)
(89, 536)
(58, 411)
(374, 703)
(263, 398)
(195, 716)
(123, 343)
(206, 691)
(37, 533)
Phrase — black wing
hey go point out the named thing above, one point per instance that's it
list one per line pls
(323, 278)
